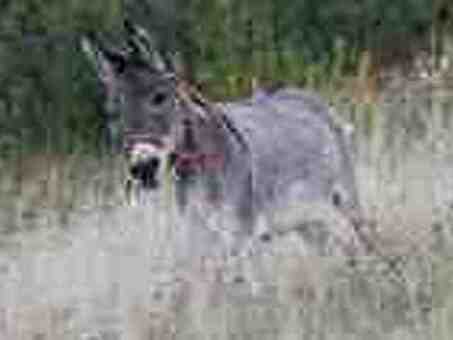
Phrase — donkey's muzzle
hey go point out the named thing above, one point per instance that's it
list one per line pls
(145, 164)
(146, 171)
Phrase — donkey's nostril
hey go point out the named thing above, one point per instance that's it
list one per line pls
(154, 163)
(145, 172)
(135, 170)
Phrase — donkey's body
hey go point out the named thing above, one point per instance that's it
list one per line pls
(283, 149)
(297, 153)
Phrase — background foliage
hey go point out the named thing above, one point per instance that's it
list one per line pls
(49, 94)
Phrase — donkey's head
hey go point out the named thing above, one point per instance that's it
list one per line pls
(154, 115)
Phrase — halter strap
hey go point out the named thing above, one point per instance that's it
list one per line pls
(199, 162)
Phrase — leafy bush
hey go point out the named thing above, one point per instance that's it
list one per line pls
(49, 94)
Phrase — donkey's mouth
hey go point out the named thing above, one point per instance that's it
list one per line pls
(145, 173)
(149, 184)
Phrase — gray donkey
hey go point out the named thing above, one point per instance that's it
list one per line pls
(252, 157)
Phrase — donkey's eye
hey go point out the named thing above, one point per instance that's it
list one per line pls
(159, 98)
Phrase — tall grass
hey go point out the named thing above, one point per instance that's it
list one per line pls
(77, 264)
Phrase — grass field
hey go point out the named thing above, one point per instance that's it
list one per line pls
(75, 263)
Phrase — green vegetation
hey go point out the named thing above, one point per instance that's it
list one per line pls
(49, 94)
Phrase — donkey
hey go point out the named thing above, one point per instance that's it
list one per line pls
(250, 157)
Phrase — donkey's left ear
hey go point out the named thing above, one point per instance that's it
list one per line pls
(144, 46)
(175, 64)
(106, 63)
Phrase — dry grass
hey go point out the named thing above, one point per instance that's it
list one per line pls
(107, 271)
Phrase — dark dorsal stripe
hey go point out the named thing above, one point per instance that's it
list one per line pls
(231, 127)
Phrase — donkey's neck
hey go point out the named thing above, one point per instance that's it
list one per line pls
(218, 136)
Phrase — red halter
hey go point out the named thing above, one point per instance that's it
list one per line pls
(201, 162)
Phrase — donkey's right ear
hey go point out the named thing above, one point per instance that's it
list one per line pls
(107, 64)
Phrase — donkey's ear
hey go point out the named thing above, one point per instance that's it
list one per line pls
(108, 64)
(143, 46)
(176, 64)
